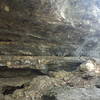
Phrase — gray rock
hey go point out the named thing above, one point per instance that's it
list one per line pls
(67, 93)
(50, 27)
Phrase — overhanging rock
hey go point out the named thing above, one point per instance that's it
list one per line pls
(50, 27)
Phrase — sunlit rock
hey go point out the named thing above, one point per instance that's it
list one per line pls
(90, 66)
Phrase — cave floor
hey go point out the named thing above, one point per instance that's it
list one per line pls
(46, 78)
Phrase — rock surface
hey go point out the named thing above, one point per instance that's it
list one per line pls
(42, 63)
(42, 44)
(67, 93)
(50, 27)
(32, 84)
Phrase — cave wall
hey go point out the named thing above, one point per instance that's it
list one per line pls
(50, 27)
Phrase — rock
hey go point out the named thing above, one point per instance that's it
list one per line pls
(42, 63)
(2, 97)
(60, 74)
(88, 66)
(39, 87)
(91, 67)
(67, 93)
(21, 84)
(42, 44)
(49, 27)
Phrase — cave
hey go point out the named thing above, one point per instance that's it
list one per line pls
(49, 49)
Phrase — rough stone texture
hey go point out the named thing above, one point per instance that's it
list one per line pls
(42, 63)
(49, 27)
(31, 84)
(35, 35)
(67, 93)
